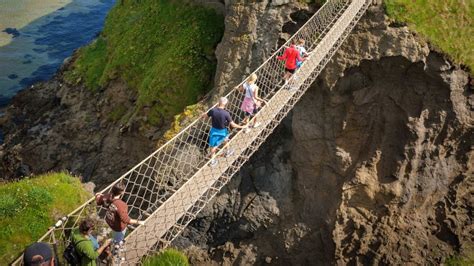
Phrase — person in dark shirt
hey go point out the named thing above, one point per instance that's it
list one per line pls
(116, 215)
(219, 133)
(38, 254)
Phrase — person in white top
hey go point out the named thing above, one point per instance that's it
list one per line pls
(252, 102)
(303, 53)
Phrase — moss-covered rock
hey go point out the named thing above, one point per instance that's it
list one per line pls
(28, 207)
(446, 24)
(162, 49)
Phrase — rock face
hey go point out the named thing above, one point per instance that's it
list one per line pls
(54, 127)
(374, 165)
(252, 31)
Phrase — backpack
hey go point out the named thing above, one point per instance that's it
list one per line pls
(110, 214)
(107, 201)
(70, 254)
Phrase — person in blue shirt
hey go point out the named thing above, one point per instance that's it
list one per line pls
(219, 133)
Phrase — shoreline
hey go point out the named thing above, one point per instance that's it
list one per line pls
(16, 15)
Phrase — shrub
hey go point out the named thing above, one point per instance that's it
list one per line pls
(169, 257)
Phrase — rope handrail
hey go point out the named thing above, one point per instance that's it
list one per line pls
(170, 186)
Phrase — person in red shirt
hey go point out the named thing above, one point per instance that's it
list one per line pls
(290, 56)
(117, 211)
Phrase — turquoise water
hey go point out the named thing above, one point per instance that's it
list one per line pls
(37, 50)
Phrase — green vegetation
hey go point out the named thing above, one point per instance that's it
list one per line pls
(461, 260)
(28, 207)
(169, 257)
(447, 24)
(182, 120)
(163, 49)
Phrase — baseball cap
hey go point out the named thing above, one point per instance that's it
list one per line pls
(37, 254)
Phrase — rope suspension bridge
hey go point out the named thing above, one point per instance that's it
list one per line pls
(172, 185)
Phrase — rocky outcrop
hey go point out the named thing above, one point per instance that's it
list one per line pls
(373, 166)
(253, 31)
(53, 126)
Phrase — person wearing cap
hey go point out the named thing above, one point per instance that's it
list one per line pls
(219, 133)
(38, 254)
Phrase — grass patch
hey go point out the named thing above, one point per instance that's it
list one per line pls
(169, 257)
(460, 261)
(28, 207)
(117, 113)
(162, 49)
(447, 24)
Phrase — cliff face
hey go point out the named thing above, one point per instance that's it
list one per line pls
(54, 126)
(374, 165)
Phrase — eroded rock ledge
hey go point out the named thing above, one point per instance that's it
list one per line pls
(374, 165)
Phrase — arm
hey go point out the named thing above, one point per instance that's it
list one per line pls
(206, 115)
(133, 221)
(298, 57)
(284, 56)
(123, 215)
(255, 95)
(104, 246)
(234, 125)
(240, 88)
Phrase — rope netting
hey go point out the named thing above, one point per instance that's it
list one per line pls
(171, 186)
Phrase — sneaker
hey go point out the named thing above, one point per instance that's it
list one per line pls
(229, 152)
(256, 125)
(213, 162)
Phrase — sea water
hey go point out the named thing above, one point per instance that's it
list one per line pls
(36, 36)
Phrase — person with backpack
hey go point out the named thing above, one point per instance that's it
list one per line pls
(116, 215)
(85, 245)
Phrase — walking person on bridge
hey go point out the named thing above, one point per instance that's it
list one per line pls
(251, 103)
(219, 132)
(86, 245)
(290, 56)
(117, 212)
(303, 53)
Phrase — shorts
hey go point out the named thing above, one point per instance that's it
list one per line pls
(292, 71)
(119, 236)
(217, 136)
(252, 113)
